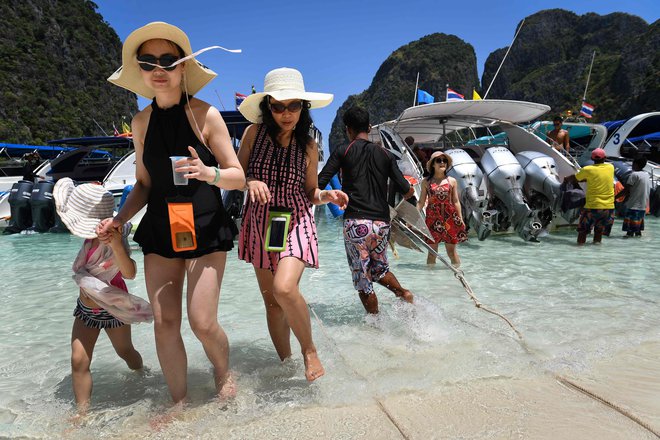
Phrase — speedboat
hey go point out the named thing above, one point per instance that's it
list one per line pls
(508, 176)
(86, 159)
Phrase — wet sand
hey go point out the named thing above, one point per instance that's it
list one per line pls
(492, 408)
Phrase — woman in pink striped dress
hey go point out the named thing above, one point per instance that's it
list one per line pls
(281, 160)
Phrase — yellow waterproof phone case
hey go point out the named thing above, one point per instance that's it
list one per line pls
(182, 226)
(278, 229)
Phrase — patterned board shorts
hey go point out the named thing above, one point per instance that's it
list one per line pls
(95, 318)
(634, 220)
(599, 219)
(366, 251)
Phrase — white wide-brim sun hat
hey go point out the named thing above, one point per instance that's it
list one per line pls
(282, 84)
(128, 76)
(82, 207)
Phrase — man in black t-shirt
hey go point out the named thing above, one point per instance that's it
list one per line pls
(365, 169)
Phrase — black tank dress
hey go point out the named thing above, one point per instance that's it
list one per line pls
(169, 134)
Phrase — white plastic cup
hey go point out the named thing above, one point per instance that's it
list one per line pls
(178, 178)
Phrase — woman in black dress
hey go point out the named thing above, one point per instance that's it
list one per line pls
(176, 124)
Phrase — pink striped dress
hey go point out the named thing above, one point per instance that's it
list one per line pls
(283, 169)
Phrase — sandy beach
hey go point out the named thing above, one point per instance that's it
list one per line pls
(536, 407)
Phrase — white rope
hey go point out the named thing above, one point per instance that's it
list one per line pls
(358, 375)
(532, 352)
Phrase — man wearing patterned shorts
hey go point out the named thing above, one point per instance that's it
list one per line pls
(598, 211)
(365, 168)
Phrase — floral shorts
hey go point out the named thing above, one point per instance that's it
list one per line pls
(599, 219)
(366, 251)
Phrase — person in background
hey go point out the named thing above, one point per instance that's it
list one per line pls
(558, 137)
(365, 168)
(185, 233)
(32, 160)
(444, 217)
(636, 198)
(280, 160)
(99, 271)
(598, 210)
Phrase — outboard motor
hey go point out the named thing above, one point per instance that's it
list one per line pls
(43, 206)
(542, 184)
(59, 226)
(473, 198)
(506, 178)
(19, 205)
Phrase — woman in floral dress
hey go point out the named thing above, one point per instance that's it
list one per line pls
(443, 210)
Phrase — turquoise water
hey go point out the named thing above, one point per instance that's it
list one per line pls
(575, 306)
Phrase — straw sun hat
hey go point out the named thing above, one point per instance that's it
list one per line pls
(82, 207)
(429, 164)
(282, 84)
(128, 75)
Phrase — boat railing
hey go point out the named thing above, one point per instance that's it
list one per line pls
(571, 156)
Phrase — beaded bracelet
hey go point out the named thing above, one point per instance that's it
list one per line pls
(217, 176)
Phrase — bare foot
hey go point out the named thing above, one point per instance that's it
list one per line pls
(161, 421)
(407, 296)
(226, 388)
(77, 421)
(313, 367)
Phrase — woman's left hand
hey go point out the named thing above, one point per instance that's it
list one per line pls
(195, 168)
(339, 198)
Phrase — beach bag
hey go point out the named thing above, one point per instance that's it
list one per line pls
(572, 196)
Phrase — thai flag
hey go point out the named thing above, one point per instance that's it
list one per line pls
(453, 95)
(587, 110)
(239, 97)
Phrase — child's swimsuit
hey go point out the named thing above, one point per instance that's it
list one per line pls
(97, 317)
(97, 274)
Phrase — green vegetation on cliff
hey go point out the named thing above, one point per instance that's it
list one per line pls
(440, 59)
(549, 63)
(55, 57)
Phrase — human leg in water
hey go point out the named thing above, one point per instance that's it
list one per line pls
(278, 327)
(369, 301)
(598, 236)
(453, 254)
(430, 257)
(389, 280)
(287, 294)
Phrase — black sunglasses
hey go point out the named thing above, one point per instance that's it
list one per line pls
(293, 107)
(443, 160)
(150, 62)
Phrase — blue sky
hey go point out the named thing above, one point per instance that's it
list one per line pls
(338, 45)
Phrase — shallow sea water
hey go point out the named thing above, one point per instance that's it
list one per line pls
(574, 306)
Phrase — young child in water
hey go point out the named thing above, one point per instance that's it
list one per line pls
(99, 271)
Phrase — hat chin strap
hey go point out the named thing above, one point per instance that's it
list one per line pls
(193, 55)
(185, 89)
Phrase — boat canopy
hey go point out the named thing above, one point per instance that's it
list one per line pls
(652, 137)
(96, 141)
(613, 125)
(430, 122)
(45, 151)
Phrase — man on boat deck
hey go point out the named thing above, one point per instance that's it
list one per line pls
(598, 211)
(558, 137)
(365, 168)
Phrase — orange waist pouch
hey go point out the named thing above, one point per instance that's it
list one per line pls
(182, 226)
